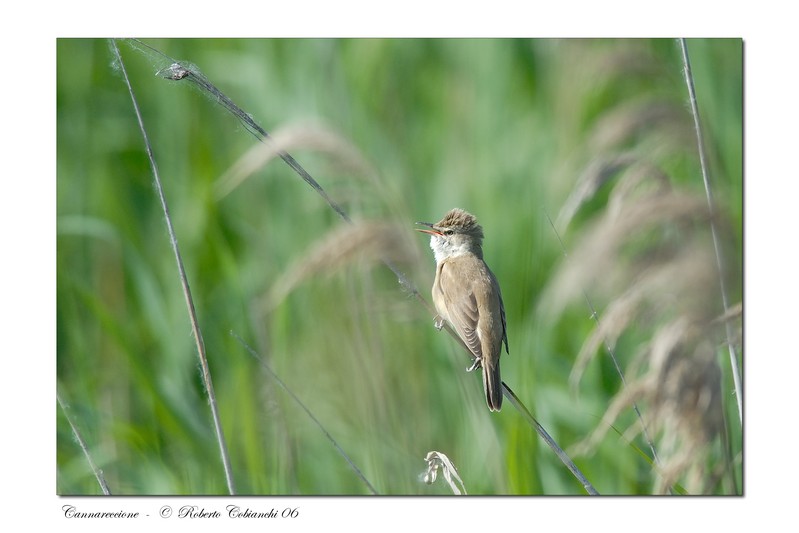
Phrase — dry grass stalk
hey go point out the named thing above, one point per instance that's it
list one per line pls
(362, 242)
(649, 256)
(438, 461)
(294, 137)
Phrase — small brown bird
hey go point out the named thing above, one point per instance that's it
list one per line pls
(466, 294)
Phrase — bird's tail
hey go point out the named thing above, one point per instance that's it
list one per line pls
(492, 383)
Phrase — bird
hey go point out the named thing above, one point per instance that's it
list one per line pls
(466, 295)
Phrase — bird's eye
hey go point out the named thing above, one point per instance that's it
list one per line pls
(448, 232)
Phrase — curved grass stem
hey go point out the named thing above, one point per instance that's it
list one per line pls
(689, 81)
(184, 282)
(97, 472)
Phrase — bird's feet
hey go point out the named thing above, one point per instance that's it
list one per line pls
(438, 322)
(477, 363)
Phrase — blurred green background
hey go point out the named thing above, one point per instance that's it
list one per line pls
(502, 128)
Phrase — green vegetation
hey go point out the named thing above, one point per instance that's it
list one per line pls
(411, 128)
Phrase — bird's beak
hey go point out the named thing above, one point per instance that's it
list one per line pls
(431, 231)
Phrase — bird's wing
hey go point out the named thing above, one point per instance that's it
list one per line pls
(462, 309)
(502, 315)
